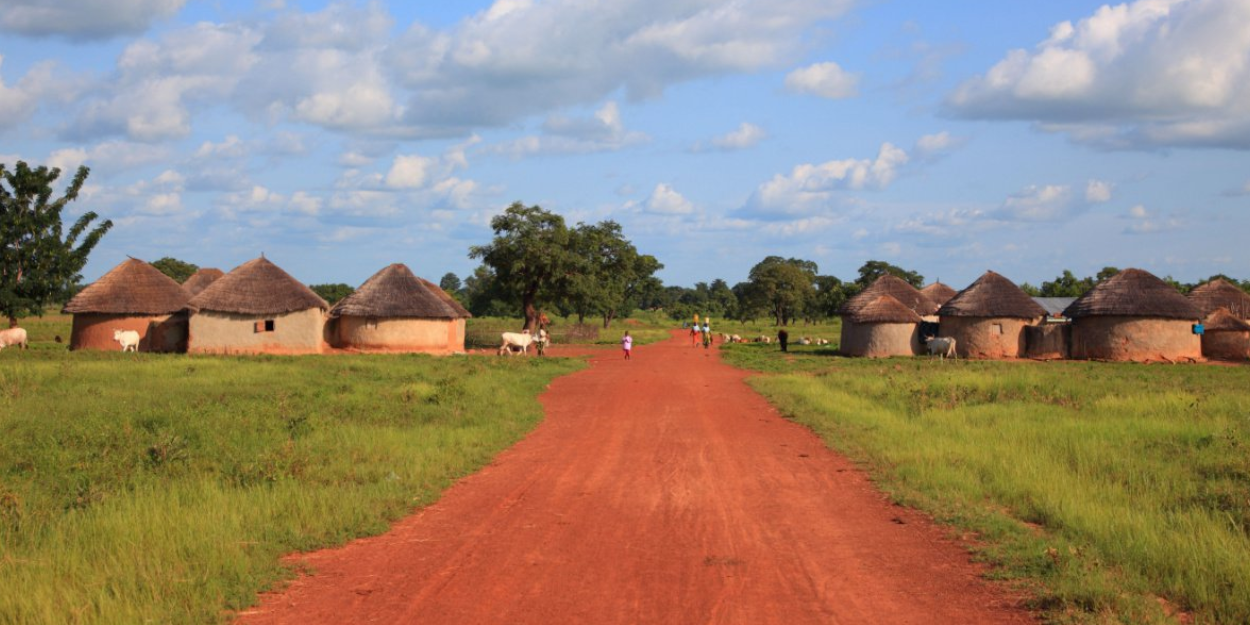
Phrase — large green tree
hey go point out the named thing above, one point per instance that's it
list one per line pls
(783, 286)
(38, 260)
(874, 269)
(530, 257)
(1066, 285)
(332, 292)
(179, 270)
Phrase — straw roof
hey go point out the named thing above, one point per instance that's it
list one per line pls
(133, 287)
(992, 295)
(201, 279)
(895, 287)
(257, 287)
(396, 292)
(1133, 293)
(1220, 293)
(1221, 319)
(884, 309)
(938, 293)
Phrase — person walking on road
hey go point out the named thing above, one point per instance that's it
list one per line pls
(627, 344)
(707, 335)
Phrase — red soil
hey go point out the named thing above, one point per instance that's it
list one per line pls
(658, 490)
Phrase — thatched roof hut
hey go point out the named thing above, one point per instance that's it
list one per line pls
(1226, 336)
(1220, 293)
(201, 279)
(880, 328)
(257, 308)
(132, 296)
(1134, 315)
(895, 287)
(938, 293)
(395, 310)
(988, 318)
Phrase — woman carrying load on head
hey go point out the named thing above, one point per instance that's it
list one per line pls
(707, 333)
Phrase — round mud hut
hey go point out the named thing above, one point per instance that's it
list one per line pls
(987, 319)
(132, 296)
(201, 279)
(396, 311)
(881, 328)
(938, 293)
(257, 309)
(1220, 293)
(1134, 316)
(1226, 336)
(858, 335)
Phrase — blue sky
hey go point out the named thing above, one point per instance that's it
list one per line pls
(949, 138)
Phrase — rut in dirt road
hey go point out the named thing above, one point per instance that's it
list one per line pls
(658, 490)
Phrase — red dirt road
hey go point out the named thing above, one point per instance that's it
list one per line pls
(658, 490)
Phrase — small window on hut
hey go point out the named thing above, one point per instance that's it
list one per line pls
(264, 326)
(996, 328)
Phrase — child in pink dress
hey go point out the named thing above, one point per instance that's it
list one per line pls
(627, 344)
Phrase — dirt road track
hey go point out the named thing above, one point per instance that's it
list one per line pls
(658, 490)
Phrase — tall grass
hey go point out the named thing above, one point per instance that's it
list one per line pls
(138, 488)
(1104, 486)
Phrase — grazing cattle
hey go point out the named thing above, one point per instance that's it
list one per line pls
(941, 346)
(804, 341)
(821, 341)
(735, 338)
(13, 336)
(515, 339)
(764, 339)
(129, 340)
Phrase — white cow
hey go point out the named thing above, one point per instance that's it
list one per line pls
(129, 340)
(941, 346)
(515, 339)
(13, 336)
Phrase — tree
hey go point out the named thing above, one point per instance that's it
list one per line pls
(608, 274)
(176, 269)
(530, 257)
(874, 269)
(831, 294)
(1105, 273)
(450, 283)
(1067, 285)
(1030, 290)
(783, 286)
(37, 262)
(332, 293)
(482, 295)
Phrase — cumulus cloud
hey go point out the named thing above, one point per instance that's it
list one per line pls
(409, 171)
(935, 146)
(602, 132)
(746, 136)
(1143, 221)
(827, 80)
(84, 19)
(811, 188)
(109, 157)
(665, 200)
(1039, 203)
(1098, 191)
(1148, 73)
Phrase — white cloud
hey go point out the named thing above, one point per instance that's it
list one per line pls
(602, 132)
(935, 146)
(665, 200)
(1098, 191)
(409, 171)
(84, 19)
(1142, 74)
(811, 188)
(1144, 221)
(827, 80)
(747, 135)
(109, 157)
(1039, 203)
(304, 203)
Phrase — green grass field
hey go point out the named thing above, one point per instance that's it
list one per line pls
(1113, 492)
(143, 488)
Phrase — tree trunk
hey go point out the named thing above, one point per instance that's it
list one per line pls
(607, 318)
(12, 321)
(530, 311)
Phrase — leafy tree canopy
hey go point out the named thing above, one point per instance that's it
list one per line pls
(530, 257)
(332, 293)
(874, 269)
(783, 286)
(450, 283)
(176, 269)
(38, 261)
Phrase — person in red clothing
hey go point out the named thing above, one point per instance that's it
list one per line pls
(627, 344)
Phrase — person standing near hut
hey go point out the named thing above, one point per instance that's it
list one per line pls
(627, 344)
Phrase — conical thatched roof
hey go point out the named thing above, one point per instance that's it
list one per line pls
(133, 287)
(938, 293)
(992, 295)
(884, 309)
(396, 292)
(1220, 293)
(1133, 293)
(895, 287)
(201, 279)
(257, 287)
(1221, 320)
